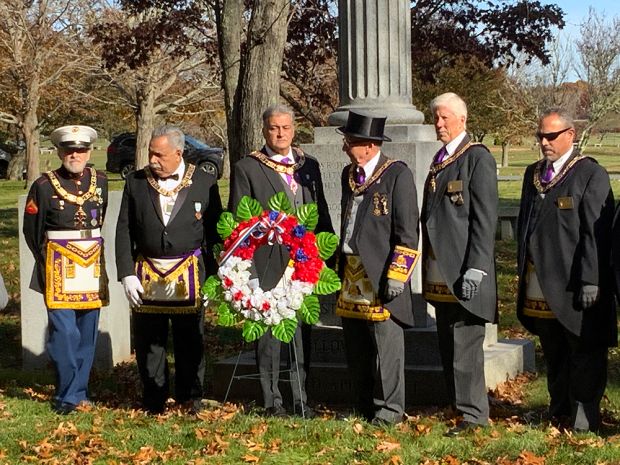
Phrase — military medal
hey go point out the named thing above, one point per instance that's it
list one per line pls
(79, 219)
(197, 208)
(93, 213)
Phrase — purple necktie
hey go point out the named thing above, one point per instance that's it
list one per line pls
(290, 180)
(441, 154)
(548, 174)
(360, 176)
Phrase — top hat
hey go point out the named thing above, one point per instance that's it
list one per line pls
(363, 125)
(75, 137)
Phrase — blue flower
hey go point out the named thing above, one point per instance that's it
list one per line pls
(273, 215)
(300, 256)
(299, 231)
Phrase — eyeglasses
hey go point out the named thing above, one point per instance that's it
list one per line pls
(551, 136)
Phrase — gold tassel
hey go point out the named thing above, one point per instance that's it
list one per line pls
(97, 271)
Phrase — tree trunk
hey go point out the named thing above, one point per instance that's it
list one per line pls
(30, 129)
(259, 75)
(145, 122)
(16, 166)
(505, 147)
(228, 19)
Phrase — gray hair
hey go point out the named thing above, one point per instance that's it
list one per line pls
(565, 116)
(278, 109)
(455, 103)
(175, 136)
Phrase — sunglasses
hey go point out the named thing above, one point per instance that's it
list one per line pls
(550, 136)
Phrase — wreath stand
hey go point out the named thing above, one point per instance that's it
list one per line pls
(290, 370)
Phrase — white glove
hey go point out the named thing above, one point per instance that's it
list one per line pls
(471, 283)
(133, 289)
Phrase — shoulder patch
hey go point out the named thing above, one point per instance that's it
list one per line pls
(31, 207)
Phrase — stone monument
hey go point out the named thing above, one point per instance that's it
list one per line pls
(375, 75)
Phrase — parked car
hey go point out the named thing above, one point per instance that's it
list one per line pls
(5, 158)
(122, 155)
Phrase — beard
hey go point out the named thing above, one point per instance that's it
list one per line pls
(75, 167)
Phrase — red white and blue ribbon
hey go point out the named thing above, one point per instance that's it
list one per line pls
(272, 228)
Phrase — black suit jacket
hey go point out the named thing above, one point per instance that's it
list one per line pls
(463, 236)
(140, 229)
(376, 236)
(571, 247)
(254, 179)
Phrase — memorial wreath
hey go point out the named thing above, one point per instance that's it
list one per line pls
(236, 297)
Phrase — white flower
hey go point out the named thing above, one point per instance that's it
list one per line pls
(270, 307)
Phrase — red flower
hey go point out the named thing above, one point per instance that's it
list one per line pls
(266, 306)
(227, 282)
(238, 295)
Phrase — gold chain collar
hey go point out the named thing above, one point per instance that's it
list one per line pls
(357, 190)
(543, 188)
(185, 181)
(281, 167)
(437, 167)
(72, 198)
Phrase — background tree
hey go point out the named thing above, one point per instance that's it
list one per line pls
(309, 68)
(159, 55)
(496, 33)
(43, 53)
(251, 47)
(598, 50)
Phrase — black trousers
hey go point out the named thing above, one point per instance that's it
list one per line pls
(150, 332)
(576, 374)
(461, 336)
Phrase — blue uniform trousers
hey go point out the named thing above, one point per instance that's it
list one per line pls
(72, 337)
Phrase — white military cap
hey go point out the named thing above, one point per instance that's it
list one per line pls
(73, 137)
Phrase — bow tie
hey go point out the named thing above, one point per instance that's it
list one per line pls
(175, 177)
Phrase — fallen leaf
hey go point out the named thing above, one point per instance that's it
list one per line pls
(528, 458)
(449, 460)
(394, 460)
(358, 428)
(387, 446)
(251, 458)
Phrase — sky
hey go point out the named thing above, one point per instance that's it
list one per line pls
(577, 10)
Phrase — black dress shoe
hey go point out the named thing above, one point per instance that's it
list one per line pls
(196, 406)
(276, 411)
(64, 408)
(380, 421)
(307, 412)
(461, 428)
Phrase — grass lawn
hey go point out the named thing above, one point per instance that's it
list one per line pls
(114, 432)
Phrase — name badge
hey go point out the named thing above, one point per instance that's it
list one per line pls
(455, 186)
(565, 203)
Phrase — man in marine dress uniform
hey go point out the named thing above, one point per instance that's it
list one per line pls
(279, 167)
(459, 217)
(565, 279)
(64, 212)
(164, 237)
(379, 238)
